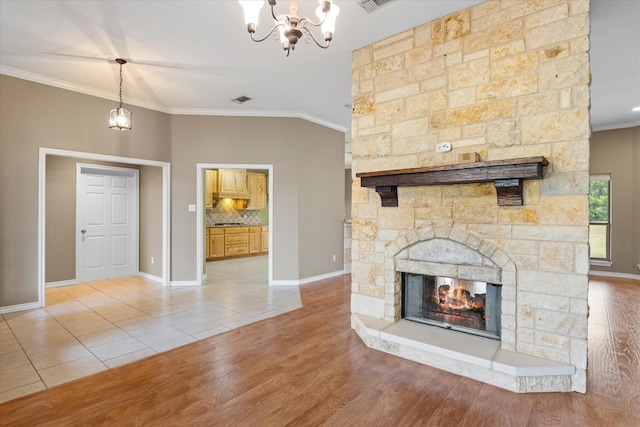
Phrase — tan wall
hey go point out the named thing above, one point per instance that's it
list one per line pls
(34, 115)
(505, 80)
(321, 205)
(307, 186)
(60, 218)
(150, 226)
(618, 152)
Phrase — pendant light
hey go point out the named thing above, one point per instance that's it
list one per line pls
(292, 27)
(119, 118)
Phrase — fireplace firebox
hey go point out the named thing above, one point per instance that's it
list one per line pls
(452, 303)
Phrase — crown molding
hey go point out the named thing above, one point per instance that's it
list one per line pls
(61, 84)
(258, 113)
(616, 126)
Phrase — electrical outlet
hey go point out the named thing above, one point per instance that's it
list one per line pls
(334, 257)
(152, 260)
(443, 147)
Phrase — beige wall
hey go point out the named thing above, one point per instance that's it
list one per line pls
(618, 152)
(321, 206)
(60, 218)
(34, 115)
(307, 193)
(150, 225)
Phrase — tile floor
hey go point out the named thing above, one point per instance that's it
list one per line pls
(90, 327)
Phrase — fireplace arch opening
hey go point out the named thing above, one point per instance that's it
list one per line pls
(446, 251)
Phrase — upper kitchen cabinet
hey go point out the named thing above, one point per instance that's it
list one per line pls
(232, 184)
(257, 183)
(211, 186)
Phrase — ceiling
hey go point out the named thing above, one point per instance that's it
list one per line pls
(195, 57)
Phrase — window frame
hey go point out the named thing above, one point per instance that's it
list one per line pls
(604, 262)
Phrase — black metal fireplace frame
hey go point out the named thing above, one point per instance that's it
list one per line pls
(493, 325)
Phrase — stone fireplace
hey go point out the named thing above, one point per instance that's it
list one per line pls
(500, 81)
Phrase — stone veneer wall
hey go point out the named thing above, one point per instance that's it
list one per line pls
(504, 79)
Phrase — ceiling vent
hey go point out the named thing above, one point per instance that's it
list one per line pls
(372, 5)
(241, 99)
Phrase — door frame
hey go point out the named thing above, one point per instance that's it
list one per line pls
(120, 171)
(200, 187)
(43, 152)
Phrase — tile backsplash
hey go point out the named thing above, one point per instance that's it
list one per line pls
(225, 212)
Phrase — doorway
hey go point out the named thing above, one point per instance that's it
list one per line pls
(201, 215)
(106, 222)
(164, 276)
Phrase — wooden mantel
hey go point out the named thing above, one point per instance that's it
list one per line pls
(507, 176)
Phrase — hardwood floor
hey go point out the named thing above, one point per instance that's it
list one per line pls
(308, 368)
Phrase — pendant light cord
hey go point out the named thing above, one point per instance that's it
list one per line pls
(120, 85)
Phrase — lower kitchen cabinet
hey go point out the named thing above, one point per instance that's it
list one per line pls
(265, 239)
(236, 241)
(255, 240)
(215, 243)
(232, 242)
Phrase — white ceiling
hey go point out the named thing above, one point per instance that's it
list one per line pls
(194, 57)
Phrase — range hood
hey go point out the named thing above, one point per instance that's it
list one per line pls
(237, 196)
(232, 184)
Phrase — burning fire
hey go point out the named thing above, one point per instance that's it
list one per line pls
(457, 298)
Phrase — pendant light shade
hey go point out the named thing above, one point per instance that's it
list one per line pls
(119, 118)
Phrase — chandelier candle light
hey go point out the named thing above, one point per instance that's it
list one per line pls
(119, 118)
(292, 27)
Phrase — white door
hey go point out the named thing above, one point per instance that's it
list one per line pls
(106, 222)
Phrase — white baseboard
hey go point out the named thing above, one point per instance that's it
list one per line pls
(284, 283)
(306, 280)
(321, 277)
(19, 307)
(613, 274)
(183, 283)
(61, 283)
(150, 277)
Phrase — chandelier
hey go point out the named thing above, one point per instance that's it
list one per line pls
(292, 27)
(119, 118)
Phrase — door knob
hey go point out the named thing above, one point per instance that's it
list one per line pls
(83, 231)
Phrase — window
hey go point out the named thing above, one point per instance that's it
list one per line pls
(600, 219)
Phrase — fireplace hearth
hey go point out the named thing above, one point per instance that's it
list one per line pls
(451, 270)
(463, 305)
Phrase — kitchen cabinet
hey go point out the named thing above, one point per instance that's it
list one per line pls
(215, 243)
(236, 241)
(257, 184)
(232, 183)
(232, 242)
(211, 186)
(265, 238)
(255, 240)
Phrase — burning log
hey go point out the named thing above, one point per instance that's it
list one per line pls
(443, 290)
